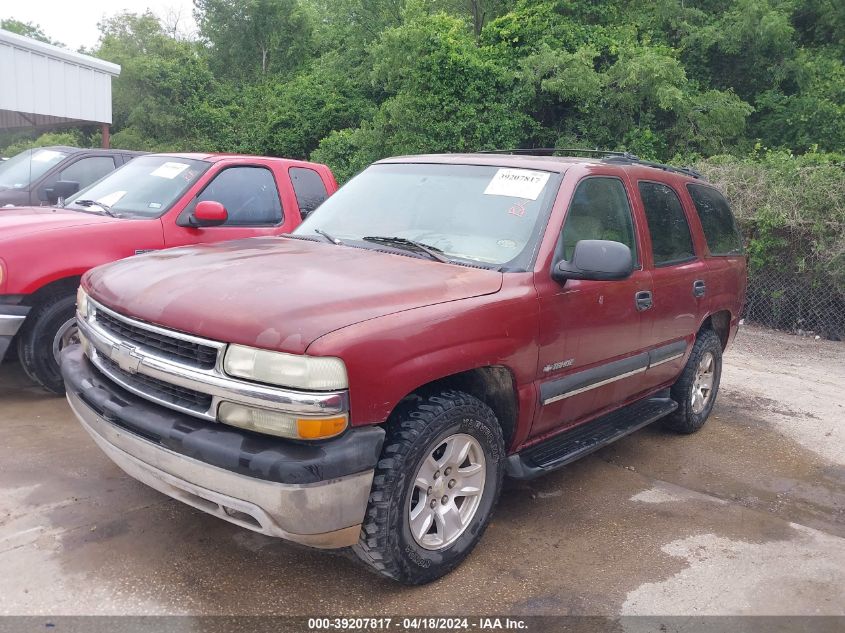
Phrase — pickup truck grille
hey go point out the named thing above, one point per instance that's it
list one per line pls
(158, 389)
(194, 354)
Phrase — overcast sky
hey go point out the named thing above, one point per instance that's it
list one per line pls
(74, 23)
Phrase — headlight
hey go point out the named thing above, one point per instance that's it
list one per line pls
(314, 373)
(279, 423)
(82, 302)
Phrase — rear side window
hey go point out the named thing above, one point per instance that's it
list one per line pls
(671, 241)
(720, 230)
(309, 189)
(599, 211)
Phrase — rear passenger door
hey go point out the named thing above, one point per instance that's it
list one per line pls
(678, 278)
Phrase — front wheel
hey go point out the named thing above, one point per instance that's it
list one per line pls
(695, 391)
(48, 329)
(434, 489)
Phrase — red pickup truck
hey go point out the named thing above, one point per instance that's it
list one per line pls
(440, 322)
(153, 202)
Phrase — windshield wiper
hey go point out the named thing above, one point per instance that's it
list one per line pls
(88, 203)
(401, 242)
(331, 239)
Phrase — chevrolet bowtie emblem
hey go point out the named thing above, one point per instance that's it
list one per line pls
(125, 357)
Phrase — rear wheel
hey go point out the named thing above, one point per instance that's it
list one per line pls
(434, 489)
(48, 329)
(696, 389)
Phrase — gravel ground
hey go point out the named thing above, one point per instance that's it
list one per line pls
(745, 517)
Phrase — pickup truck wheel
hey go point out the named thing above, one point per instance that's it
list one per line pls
(434, 488)
(695, 391)
(48, 329)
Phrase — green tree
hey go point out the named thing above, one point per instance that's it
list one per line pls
(160, 96)
(27, 29)
(249, 38)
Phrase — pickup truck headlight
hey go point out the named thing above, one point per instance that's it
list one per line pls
(280, 423)
(312, 373)
(82, 302)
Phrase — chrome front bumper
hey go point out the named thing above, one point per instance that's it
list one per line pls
(325, 514)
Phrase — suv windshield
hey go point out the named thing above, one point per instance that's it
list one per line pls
(20, 170)
(147, 186)
(478, 213)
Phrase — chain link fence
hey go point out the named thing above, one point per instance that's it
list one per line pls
(801, 304)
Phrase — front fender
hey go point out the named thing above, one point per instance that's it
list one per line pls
(389, 357)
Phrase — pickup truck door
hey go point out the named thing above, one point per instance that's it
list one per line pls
(591, 336)
(679, 276)
(257, 198)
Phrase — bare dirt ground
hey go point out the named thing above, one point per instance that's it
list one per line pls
(745, 517)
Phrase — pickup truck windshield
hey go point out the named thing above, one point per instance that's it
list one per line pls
(147, 186)
(20, 170)
(478, 213)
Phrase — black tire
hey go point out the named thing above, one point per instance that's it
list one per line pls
(686, 419)
(35, 340)
(417, 428)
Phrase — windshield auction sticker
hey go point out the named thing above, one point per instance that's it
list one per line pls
(169, 170)
(518, 183)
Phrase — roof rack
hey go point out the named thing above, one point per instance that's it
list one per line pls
(607, 156)
(542, 151)
(687, 171)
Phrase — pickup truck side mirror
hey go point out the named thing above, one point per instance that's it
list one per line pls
(60, 190)
(598, 260)
(208, 213)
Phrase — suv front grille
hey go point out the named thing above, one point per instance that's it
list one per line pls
(166, 392)
(194, 354)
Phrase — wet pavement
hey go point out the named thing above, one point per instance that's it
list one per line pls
(745, 517)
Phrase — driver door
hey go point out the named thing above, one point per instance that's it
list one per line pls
(592, 334)
(250, 195)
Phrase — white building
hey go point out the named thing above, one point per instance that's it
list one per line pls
(44, 86)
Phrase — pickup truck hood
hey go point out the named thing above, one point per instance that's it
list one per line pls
(16, 222)
(277, 293)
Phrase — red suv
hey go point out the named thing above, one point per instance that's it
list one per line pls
(439, 323)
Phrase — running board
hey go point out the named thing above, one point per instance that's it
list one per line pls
(582, 440)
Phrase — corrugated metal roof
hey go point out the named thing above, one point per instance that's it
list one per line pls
(43, 85)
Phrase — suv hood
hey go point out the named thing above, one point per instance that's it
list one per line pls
(16, 222)
(277, 293)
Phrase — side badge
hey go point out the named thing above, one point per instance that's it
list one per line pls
(563, 364)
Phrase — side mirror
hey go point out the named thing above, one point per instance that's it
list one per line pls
(597, 260)
(60, 190)
(208, 213)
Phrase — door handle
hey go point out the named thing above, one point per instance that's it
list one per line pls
(699, 288)
(643, 300)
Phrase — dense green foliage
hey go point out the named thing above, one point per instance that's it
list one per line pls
(349, 81)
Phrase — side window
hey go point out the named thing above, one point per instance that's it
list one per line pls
(599, 211)
(249, 195)
(88, 170)
(309, 189)
(720, 230)
(671, 241)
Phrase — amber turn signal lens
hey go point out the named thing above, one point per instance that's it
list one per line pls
(313, 429)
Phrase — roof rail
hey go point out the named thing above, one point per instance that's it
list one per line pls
(541, 151)
(607, 156)
(687, 171)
